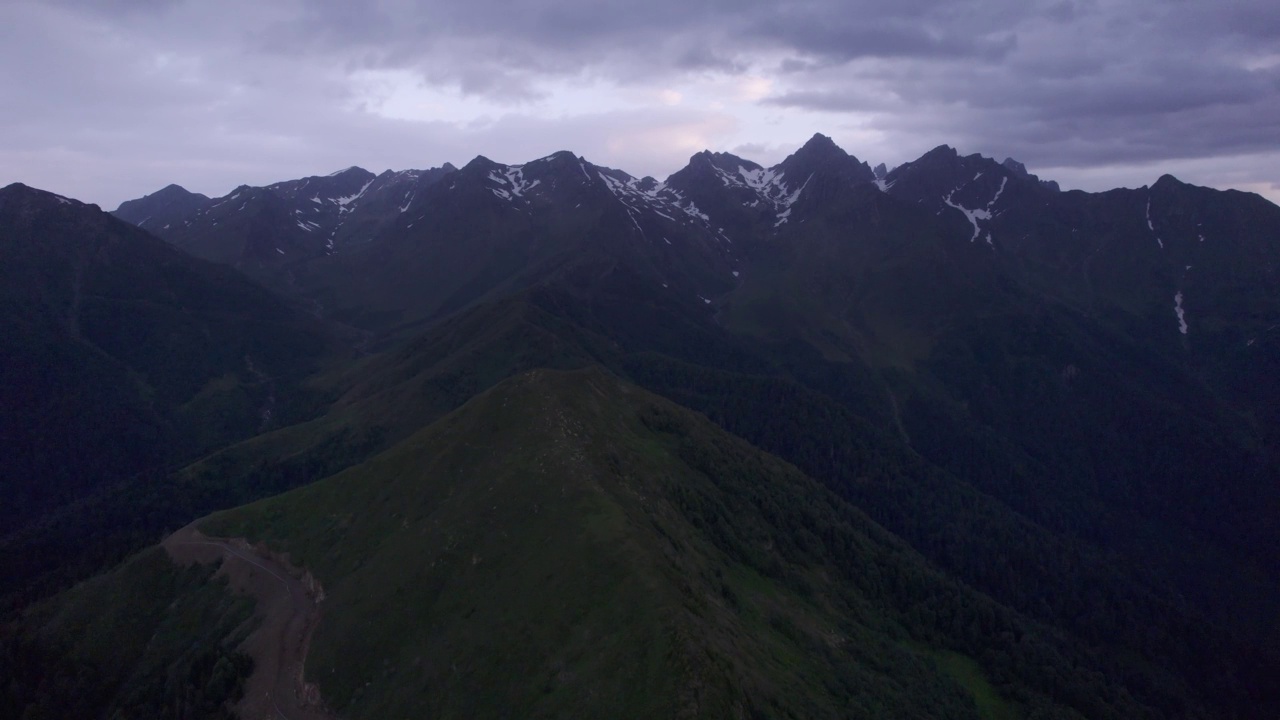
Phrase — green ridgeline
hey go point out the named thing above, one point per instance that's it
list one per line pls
(568, 545)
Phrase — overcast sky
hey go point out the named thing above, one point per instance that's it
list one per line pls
(105, 100)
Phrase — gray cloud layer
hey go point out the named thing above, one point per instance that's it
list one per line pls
(109, 99)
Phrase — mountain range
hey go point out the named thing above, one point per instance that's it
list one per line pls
(802, 441)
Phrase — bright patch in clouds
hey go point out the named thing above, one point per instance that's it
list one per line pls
(670, 97)
(756, 88)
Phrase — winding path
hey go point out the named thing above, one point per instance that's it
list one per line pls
(288, 606)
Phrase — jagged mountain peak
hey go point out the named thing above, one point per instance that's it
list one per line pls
(966, 191)
(557, 163)
(727, 162)
(166, 204)
(945, 160)
(740, 194)
(819, 146)
(820, 156)
(940, 152)
(559, 156)
(479, 161)
(1016, 167)
(286, 221)
(945, 165)
(479, 164)
(352, 170)
(1019, 170)
(175, 191)
(942, 159)
(520, 183)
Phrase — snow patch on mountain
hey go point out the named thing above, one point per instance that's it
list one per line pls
(692, 210)
(1180, 312)
(512, 177)
(1151, 226)
(769, 185)
(973, 216)
(659, 199)
(787, 201)
(343, 202)
(999, 192)
(760, 179)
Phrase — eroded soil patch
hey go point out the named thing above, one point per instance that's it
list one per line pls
(288, 607)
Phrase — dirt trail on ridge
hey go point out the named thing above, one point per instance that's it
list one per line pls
(288, 606)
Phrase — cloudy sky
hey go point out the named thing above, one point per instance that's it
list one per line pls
(106, 100)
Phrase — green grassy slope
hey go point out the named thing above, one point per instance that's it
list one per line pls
(568, 545)
(362, 408)
(145, 640)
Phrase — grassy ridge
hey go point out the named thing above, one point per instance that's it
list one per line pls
(568, 545)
